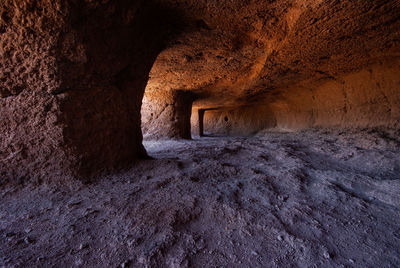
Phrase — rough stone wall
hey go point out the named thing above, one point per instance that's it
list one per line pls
(72, 78)
(31, 136)
(236, 121)
(280, 54)
(366, 98)
(166, 114)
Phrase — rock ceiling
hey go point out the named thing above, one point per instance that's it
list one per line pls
(234, 52)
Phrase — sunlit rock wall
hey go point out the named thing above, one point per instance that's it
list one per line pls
(366, 98)
(166, 114)
(235, 121)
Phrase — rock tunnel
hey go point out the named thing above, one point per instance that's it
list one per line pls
(200, 133)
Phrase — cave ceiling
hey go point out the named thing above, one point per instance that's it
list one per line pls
(236, 52)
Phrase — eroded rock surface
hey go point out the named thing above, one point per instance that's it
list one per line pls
(366, 98)
(72, 79)
(73, 75)
(78, 70)
(166, 114)
(293, 57)
(323, 198)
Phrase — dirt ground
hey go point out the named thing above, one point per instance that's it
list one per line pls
(320, 198)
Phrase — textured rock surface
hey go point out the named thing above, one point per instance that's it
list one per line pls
(166, 114)
(245, 52)
(78, 70)
(242, 121)
(72, 79)
(366, 98)
(231, 54)
(73, 75)
(323, 198)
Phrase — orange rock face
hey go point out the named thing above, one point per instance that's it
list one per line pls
(310, 63)
(166, 114)
(367, 98)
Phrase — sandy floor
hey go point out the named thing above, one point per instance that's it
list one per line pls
(309, 199)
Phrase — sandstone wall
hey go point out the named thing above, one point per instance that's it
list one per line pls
(239, 121)
(166, 114)
(367, 98)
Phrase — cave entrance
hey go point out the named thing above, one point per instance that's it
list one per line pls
(206, 124)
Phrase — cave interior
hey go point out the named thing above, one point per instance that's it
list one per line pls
(199, 133)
